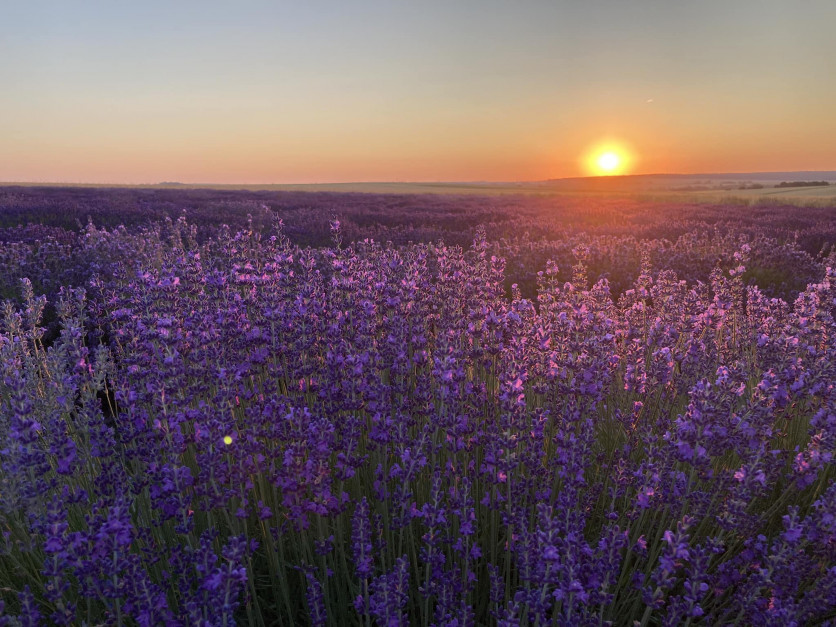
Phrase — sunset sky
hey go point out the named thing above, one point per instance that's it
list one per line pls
(301, 92)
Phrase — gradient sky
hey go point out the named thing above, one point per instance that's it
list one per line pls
(313, 91)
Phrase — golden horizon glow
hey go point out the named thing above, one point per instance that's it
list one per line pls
(608, 158)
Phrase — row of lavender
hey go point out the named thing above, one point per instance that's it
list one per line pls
(44, 238)
(240, 430)
(402, 217)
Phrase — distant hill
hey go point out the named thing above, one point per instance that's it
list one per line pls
(684, 182)
(709, 186)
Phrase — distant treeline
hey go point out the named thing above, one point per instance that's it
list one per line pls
(803, 184)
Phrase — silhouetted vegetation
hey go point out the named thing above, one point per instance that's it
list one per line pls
(803, 184)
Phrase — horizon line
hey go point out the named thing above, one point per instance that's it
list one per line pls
(414, 182)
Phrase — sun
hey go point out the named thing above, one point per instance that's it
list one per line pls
(608, 162)
(608, 158)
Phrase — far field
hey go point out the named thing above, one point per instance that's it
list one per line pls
(740, 188)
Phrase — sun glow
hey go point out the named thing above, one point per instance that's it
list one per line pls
(608, 159)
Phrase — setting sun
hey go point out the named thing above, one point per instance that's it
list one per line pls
(608, 159)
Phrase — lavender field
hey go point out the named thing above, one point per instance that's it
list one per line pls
(280, 408)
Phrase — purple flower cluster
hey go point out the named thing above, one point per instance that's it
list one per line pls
(237, 430)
